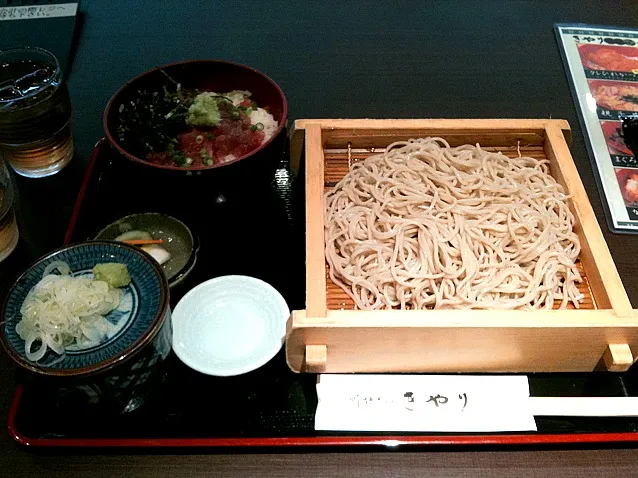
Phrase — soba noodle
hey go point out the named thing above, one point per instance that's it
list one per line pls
(425, 225)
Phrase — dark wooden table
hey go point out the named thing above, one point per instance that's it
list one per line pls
(446, 59)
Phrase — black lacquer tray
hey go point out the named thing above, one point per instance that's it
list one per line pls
(252, 226)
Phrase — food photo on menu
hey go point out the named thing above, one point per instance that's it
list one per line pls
(609, 58)
(614, 138)
(628, 181)
(615, 95)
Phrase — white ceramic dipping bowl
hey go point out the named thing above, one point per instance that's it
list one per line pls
(229, 325)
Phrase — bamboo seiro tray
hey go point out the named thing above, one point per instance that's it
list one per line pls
(329, 336)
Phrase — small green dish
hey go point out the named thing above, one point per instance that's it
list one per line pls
(178, 240)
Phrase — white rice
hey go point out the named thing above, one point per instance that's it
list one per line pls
(237, 96)
(265, 118)
(258, 116)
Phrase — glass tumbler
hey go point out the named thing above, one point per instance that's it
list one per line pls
(35, 112)
(8, 226)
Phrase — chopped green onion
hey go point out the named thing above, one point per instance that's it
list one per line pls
(259, 126)
(189, 161)
(210, 136)
(253, 105)
(180, 158)
(199, 139)
(235, 114)
(247, 111)
(206, 159)
(253, 128)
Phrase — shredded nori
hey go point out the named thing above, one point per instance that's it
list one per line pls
(151, 122)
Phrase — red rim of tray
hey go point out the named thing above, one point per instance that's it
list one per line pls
(390, 441)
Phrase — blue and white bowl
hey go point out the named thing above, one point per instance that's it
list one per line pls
(143, 310)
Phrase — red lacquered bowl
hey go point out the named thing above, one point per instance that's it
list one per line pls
(203, 75)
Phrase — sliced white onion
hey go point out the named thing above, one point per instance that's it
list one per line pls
(64, 311)
(53, 344)
(61, 266)
(38, 354)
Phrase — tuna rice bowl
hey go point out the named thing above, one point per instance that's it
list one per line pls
(179, 127)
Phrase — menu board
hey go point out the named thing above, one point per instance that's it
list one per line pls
(602, 66)
(46, 24)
